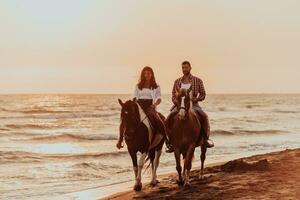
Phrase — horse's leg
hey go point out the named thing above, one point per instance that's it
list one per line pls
(138, 181)
(134, 162)
(154, 167)
(178, 167)
(203, 156)
(188, 164)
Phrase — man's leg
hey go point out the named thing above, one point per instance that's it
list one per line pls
(205, 126)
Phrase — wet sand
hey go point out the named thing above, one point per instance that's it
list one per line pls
(267, 176)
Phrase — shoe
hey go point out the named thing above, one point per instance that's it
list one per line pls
(119, 145)
(209, 143)
(169, 148)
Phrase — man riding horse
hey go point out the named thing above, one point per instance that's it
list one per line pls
(195, 84)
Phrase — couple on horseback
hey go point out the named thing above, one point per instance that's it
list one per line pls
(148, 96)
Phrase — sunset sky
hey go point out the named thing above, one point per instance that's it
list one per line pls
(100, 46)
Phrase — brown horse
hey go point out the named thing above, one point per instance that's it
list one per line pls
(137, 140)
(184, 134)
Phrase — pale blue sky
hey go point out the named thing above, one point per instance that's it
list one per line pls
(88, 46)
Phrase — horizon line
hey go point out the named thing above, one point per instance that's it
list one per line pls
(91, 93)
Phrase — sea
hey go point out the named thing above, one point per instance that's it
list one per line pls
(54, 145)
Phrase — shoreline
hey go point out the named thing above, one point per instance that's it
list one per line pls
(274, 175)
(115, 191)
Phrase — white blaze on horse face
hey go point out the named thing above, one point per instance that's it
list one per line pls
(181, 110)
(191, 97)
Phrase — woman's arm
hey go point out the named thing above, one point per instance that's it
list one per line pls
(157, 102)
(136, 93)
(157, 97)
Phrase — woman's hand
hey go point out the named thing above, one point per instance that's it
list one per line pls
(153, 106)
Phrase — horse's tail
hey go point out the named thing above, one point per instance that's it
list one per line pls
(150, 157)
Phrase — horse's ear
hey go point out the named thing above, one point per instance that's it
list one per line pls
(120, 102)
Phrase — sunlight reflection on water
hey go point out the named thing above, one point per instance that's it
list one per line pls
(57, 148)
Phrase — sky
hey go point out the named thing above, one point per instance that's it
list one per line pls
(100, 46)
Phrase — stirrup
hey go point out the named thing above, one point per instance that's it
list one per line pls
(169, 148)
(209, 144)
(120, 146)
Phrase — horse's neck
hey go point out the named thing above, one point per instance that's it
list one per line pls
(141, 112)
(144, 118)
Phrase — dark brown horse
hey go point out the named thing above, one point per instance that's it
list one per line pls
(184, 134)
(137, 140)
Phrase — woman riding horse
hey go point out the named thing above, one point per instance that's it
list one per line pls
(147, 94)
(136, 129)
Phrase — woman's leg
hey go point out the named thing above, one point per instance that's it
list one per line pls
(160, 126)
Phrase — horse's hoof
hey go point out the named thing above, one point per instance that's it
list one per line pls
(138, 187)
(180, 182)
(154, 183)
(187, 184)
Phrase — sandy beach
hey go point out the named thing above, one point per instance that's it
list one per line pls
(267, 176)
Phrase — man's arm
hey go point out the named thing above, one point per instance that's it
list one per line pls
(174, 91)
(202, 93)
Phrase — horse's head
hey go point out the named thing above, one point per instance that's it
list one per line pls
(184, 102)
(130, 116)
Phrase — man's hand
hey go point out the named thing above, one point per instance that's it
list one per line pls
(194, 99)
(176, 102)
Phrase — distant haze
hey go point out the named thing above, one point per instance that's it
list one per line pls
(91, 46)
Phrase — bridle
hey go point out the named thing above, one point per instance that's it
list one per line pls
(183, 107)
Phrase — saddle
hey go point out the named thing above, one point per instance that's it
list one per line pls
(154, 139)
(170, 119)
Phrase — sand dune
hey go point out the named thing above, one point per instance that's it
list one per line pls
(267, 176)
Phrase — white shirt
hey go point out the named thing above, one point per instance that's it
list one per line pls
(147, 93)
(185, 86)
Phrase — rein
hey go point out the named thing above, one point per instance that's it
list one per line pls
(184, 108)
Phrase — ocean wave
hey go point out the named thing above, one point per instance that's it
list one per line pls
(73, 137)
(222, 132)
(271, 131)
(28, 126)
(222, 109)
(246, 132)
(286, 111)
(86, 155)
(4, 109)
(19, 156)
(43, 111)
(24, 156)
(69, 115)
